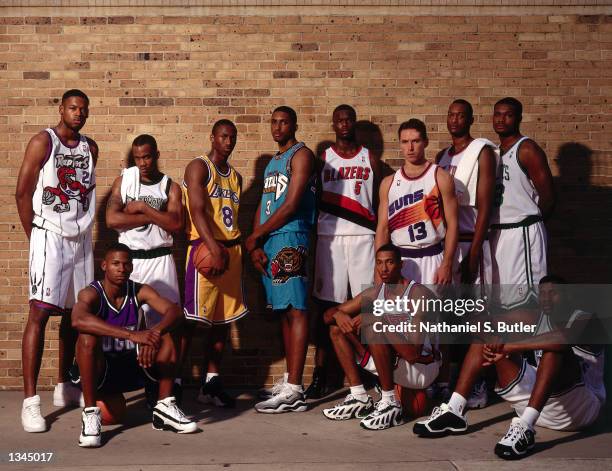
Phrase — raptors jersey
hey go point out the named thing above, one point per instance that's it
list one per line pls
(516, 196)
(64, 198)
(223, 203)
(467, 214)
(150, 236)
(347, 194)
(415, 213)
(125, 317)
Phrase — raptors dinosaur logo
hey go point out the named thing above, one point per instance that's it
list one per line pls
(67, 189)
(288, 263)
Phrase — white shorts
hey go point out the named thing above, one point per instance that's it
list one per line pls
(573, 409)
(160, 274)
(343, 261)
(519, 262)
(60, 267)
(409, 375)
(422, 269)
(485, 269)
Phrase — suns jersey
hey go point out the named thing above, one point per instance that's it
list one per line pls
(347, 194)
(64, 201)
(125, 317)
(415, 213)
(150, 236)
(466, 214)
(276, 183)
(516, 196)
(223, 203)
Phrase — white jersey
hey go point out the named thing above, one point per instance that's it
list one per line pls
(415, 213)
(515, 194)
(150, 236)
(591, 362)
(467, 214)
(346, 206)
(64, 200)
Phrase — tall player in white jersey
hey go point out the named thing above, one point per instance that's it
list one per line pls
(418, 211)
(56, 202)
(525, 198)
(349, 179)
(145, 208)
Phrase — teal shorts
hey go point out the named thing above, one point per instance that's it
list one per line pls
(287, 283)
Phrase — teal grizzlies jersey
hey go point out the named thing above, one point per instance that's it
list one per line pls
(276, 183)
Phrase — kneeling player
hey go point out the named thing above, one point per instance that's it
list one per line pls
(112, 354)
(564, 390)
(410, 360)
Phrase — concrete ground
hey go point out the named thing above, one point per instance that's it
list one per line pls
(241, 439)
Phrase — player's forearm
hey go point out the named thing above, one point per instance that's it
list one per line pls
(90, 324)
(168, 221)
(205, 232)
(121, 221)
(26, 212)
(170, 319)
(480, 232)
(451, 241)
(382, 237)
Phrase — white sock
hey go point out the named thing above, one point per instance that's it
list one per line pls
(530, 416)
(389, 395)
(295, 387)
(178, 381)
(359, 392)
(210, 376)
(457, 403)
(285, 377)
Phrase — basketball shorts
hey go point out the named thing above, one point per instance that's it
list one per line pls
(484, 278)
(421, 265)
(216, 300)
(343, 261)
(59, 267)
(160, 274)
(409, 375)
(569, 410)
(286, 283)
(519, 262)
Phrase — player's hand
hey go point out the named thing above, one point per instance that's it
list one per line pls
(218, 261)
(134, 207)
(468, 269)
(250, 243)
(259, 259)
(492, 353)
(152, 338)
(444, 275)
(344, 322)
(357, 320)
(146, 356)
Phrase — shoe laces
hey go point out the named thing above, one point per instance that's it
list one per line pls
(176, 411)
(93, 422)
(438, 411)
(381, 405)
(349, 397)
(33, 411)
(278, 387)
(516, 431)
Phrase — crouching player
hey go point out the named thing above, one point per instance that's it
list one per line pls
(561, 388)
(113, 355)
(409, 359)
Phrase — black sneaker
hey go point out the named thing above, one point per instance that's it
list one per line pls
(442, 421)
(212, 392)
(316, 390)
(517, 443)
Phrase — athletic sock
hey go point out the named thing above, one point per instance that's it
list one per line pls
(530, 416)
(285, 377)
(359, 392)
(295, 387)
(178, 381)
(389, 395)
(210, 376)
(457, 403)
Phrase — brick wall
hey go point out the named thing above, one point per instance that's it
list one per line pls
(152, 71)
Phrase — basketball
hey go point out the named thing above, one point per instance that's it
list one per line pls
(414, 401)
(202, 258)
(112, 408)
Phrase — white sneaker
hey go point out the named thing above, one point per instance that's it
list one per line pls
(31, 418)
(479, 397)
(67, 394)
(287, 400)
(168, 416)
(267, 393)
(350, 408)
(386, 414)
(518, 441)
(91, 428)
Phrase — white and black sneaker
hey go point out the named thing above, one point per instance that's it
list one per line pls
(267, 393)
(350, 408)
(168, 416)
(479, 396)
(518, 441)
(442, 421)
(286, 400)
(386, 414)
(91, 428)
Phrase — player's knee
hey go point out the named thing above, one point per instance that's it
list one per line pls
(87, 343)
(335, 332)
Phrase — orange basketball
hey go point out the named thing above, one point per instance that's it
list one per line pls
(112, 408)
(414, 401)
(202, 258)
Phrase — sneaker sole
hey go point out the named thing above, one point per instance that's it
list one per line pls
(509, 455)
(426, 433)
(394, 423)
(90, 444)
(33, 429)
(296, 407)
(160, 424)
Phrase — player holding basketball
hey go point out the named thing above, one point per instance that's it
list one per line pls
(562, 390)
(279, 247)
(525, 198)
(112, 352)
(145, 207)
(348, 177)
(418, 211)
(212, 189)
(56, 202)
(418, 363)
